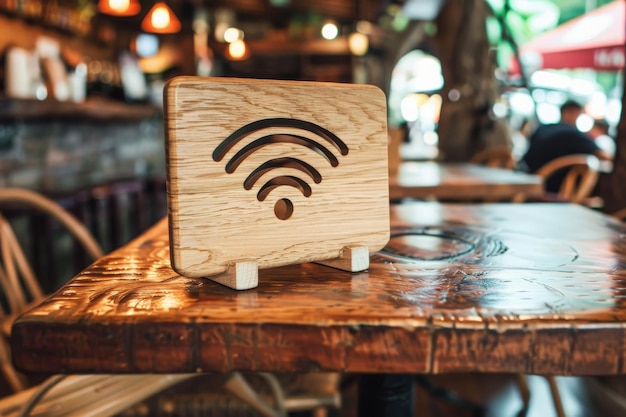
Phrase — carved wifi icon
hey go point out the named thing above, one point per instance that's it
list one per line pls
(283, 209)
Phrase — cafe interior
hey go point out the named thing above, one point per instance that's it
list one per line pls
(490, 293)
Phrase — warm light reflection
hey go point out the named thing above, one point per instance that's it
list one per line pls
(237, 50)
(330, 31)
(358, 43)
(170, 302)
(432, 107)
(233, 34)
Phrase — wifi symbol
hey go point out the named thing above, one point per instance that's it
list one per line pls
(283, 208)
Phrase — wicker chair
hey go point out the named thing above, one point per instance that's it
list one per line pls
(108, 395)
(581, 176)
(101, 395)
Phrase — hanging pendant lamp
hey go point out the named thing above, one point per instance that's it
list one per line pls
(119, 7)
(160, 19)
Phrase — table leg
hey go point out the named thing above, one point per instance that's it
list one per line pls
(386, 395)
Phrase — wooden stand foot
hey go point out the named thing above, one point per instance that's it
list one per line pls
(352, 259)
(239, 276)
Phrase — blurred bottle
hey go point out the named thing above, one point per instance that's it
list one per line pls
(78, 83)
(21, 73)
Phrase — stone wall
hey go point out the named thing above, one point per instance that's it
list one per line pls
(59, 157)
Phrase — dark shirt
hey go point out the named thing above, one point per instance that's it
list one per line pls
(553, 141)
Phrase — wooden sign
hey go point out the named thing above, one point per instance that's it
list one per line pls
(265, 173)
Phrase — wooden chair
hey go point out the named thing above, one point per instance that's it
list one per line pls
(81, 395)
(68, 395)
(17, 279)
(103, 395)
(581, 176)
(108, 395)
(318, 392)
(495, 157)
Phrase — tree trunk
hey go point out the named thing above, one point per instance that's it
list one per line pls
(466, 124)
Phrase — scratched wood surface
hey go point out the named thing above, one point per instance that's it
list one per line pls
(536, 288)
(295, 171)
(461, 181)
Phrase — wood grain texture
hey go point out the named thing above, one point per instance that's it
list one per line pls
(217, 213)
(461, 181)
(239, 276)
(534, 288)
(353, 259)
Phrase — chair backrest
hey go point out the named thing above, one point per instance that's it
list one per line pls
(495, 157)
(18, 282)
(581, 175)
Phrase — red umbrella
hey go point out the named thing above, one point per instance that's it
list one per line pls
(594, 40)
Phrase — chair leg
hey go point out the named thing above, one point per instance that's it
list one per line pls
(556, 396)
(237, 385)
(16, 381)
(522, 384)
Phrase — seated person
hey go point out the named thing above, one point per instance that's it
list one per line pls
(552, 141)
(600, 134)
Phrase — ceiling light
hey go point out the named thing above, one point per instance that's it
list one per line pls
(160, 19)
(119, 7)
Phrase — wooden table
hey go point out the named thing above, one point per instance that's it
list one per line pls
(461, 181)
(532, 288)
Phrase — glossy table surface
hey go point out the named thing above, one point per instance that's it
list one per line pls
(461, 181)
(535, 288)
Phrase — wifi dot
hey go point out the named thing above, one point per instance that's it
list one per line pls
(283, 209)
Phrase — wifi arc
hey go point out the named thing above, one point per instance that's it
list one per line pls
(283, 208)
